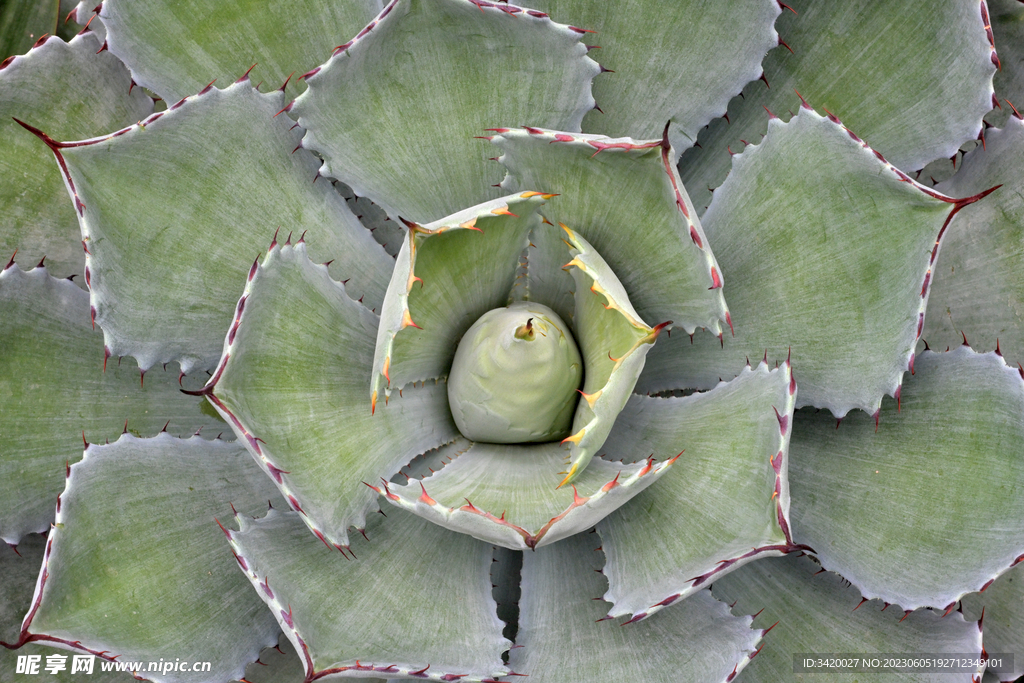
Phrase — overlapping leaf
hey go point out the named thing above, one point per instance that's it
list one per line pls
(20, 570)
(929, 507)
(613, 340)
(563, 637)
(725, 503)
(176, 48)
(913, 79)
(509, 495)
(818, 613)
(385, 126)
(977, 288)
(135, 568)
(700, 55)
(438, 583)
(447, 274)
(57, 388)
(1007, 20)
(36, 217)
(173, 210)
(1001, 605)
(624, 196)
(294, 381)
(826, 251)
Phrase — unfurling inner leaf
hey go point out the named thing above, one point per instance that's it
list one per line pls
(515, 376)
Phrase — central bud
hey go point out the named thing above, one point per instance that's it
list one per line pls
(515, 375)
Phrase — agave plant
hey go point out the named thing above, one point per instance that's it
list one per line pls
(593, 341)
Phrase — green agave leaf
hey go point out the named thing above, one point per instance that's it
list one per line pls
(726, 504)
(37, 218)
(135, 569)
(1002, 607)
(1007, 21)
(448, 273)
(563, 637)
(509, 495)
(827, 250)
(176, 48)
(680, 46)
(55, 393)
(613, 341)
(172, 208)
(381, 123)
(928, 508)
(300, 405)
(625, 197)
(915, 81)
(23, 23)
(813, 611)
(438, 582)
(20, 569)
(977, 287)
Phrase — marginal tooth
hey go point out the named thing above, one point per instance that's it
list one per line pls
(575, 438)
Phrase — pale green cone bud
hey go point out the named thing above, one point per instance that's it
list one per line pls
(515, 375)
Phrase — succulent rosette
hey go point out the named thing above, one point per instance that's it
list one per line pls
(514, 401)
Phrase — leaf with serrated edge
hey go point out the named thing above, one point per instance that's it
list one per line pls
(438, 582)
(172, 209)
(976, 287)
(563, 639)
(935, 490)
(506, 494)
(301, 406)
(447, 274)
(135, 568)
(614, 342)
(55, 393)
(624, 196)
(1002, 604)
(36, 217)
(812, 611)
(915, 80)
(676, 538)
(383, 126)
(680, 47)
(826, 250)
(20, 570)
(176, 48)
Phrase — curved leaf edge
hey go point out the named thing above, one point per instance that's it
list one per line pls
(507, 533)
(253, 443)
(26, 636)
(397, 318)
(625, 145)
(780, 494)
(870, 595)
(283, 614)
(604, 403)
(343, 50)
(956, 204)
(111, 347)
